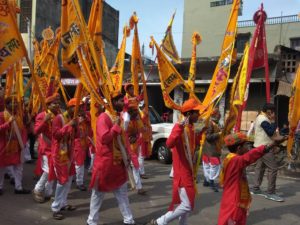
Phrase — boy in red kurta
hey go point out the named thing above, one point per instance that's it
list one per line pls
(236, 197)
(109, 172)
(134, 133)
(182, 142)
(62, 154)
(81, 146)
(43, 129)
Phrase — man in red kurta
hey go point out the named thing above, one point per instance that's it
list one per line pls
(109, 172)
(62, 155)
(182, 142)
(236, 197)
(10, 146)
(81, 146)
(43, 129)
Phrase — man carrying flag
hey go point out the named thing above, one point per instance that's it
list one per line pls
(182, 142)
(109, 171)
(62, 155)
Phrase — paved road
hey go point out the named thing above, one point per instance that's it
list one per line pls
(16, 209)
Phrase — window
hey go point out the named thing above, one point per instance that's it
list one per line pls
(295, 43)
(288, 62)
(26, 8)
(220, 3)
(241, 40)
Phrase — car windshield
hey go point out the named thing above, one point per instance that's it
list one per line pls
(154, 116)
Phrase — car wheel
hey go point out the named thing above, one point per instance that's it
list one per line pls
(164, 154)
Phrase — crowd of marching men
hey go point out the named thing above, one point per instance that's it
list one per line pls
(64, 140)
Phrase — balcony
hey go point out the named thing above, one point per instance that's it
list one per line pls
(271, 21)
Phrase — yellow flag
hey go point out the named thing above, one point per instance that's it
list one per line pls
(95, 24)
(9, 81)
(196, 39)
(137, 71)
(11, 49)
(221, 74)
(168, 45)
(136, 58)
(237, 93)
(169, 78)
(95, 28)
(294, 110)
(117, 70)
(46, 67)
(72, 35)
(78, 50)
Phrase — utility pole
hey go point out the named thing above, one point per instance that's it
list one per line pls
(28, 22)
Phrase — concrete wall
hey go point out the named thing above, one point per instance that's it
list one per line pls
(210, 22)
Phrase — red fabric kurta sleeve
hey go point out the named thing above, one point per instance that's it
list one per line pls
(40, 125)
(58, 130)
(249, 157)
(174, 136)
(105, 133)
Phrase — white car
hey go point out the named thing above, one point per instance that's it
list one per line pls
(160, 132)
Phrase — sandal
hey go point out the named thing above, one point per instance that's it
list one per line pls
(58, 216)
(68, 208)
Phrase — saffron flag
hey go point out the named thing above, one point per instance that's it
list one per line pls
(117, 70)
(46, 66)
(169, 77)
(95, 28)
(11, 49)
(168, 45)
(136, 58)
(196, 40)
(78, 51)
(138, 75)
(237, 93)
(294, 110)
(221, 74)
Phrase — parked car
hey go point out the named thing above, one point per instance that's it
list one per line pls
(160, 132)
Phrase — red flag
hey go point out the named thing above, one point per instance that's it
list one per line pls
(258, 57)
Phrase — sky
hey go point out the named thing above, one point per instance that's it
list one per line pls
(154, 16)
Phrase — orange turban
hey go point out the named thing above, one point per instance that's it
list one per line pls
(72, 102)
(235, 139)
(190, 104)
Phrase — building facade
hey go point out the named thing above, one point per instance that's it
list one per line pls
(209, 18)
